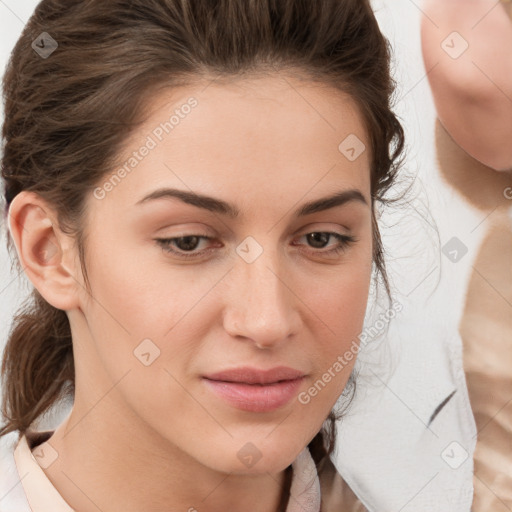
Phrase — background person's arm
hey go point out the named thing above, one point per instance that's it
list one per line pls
(472, 89)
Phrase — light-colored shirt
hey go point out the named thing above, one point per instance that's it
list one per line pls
(39, 491)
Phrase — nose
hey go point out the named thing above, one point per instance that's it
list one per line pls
(260, 304)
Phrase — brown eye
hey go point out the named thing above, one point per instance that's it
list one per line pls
(185, 245)
(320, 239)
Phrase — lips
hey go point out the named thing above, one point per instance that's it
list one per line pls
(253, 390)
(248, 375)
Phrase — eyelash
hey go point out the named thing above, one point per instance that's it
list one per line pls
(345, 242)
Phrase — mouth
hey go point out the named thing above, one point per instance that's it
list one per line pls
(254, 390)
(249, 375)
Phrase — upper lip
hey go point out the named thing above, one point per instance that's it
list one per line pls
(248, 375)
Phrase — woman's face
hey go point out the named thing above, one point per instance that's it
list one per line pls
(255, 277)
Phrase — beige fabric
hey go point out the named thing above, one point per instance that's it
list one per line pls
(486, 329)
(486, 323)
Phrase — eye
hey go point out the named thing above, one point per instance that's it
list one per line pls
(320, 239)
(185, 246)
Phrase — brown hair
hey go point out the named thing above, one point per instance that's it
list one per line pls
(67, 116)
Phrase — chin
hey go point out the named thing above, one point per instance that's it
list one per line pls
(260, 456)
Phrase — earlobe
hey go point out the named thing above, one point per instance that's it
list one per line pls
(43, 250)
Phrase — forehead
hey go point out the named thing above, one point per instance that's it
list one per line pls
(256, 136)
(272, 100)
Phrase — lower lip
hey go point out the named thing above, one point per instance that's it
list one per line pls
(254, 397)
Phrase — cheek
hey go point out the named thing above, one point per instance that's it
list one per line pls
(341, 308)
(140, 309)
(133, 296)
(340, 301)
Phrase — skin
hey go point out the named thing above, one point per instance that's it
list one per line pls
(153, 437)
(472, 92)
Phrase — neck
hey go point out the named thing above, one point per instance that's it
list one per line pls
(100, 464)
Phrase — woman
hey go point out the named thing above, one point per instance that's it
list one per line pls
(191, 189)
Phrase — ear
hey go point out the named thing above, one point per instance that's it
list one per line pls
(45, 252)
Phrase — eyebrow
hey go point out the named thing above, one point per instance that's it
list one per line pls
(219, 206)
